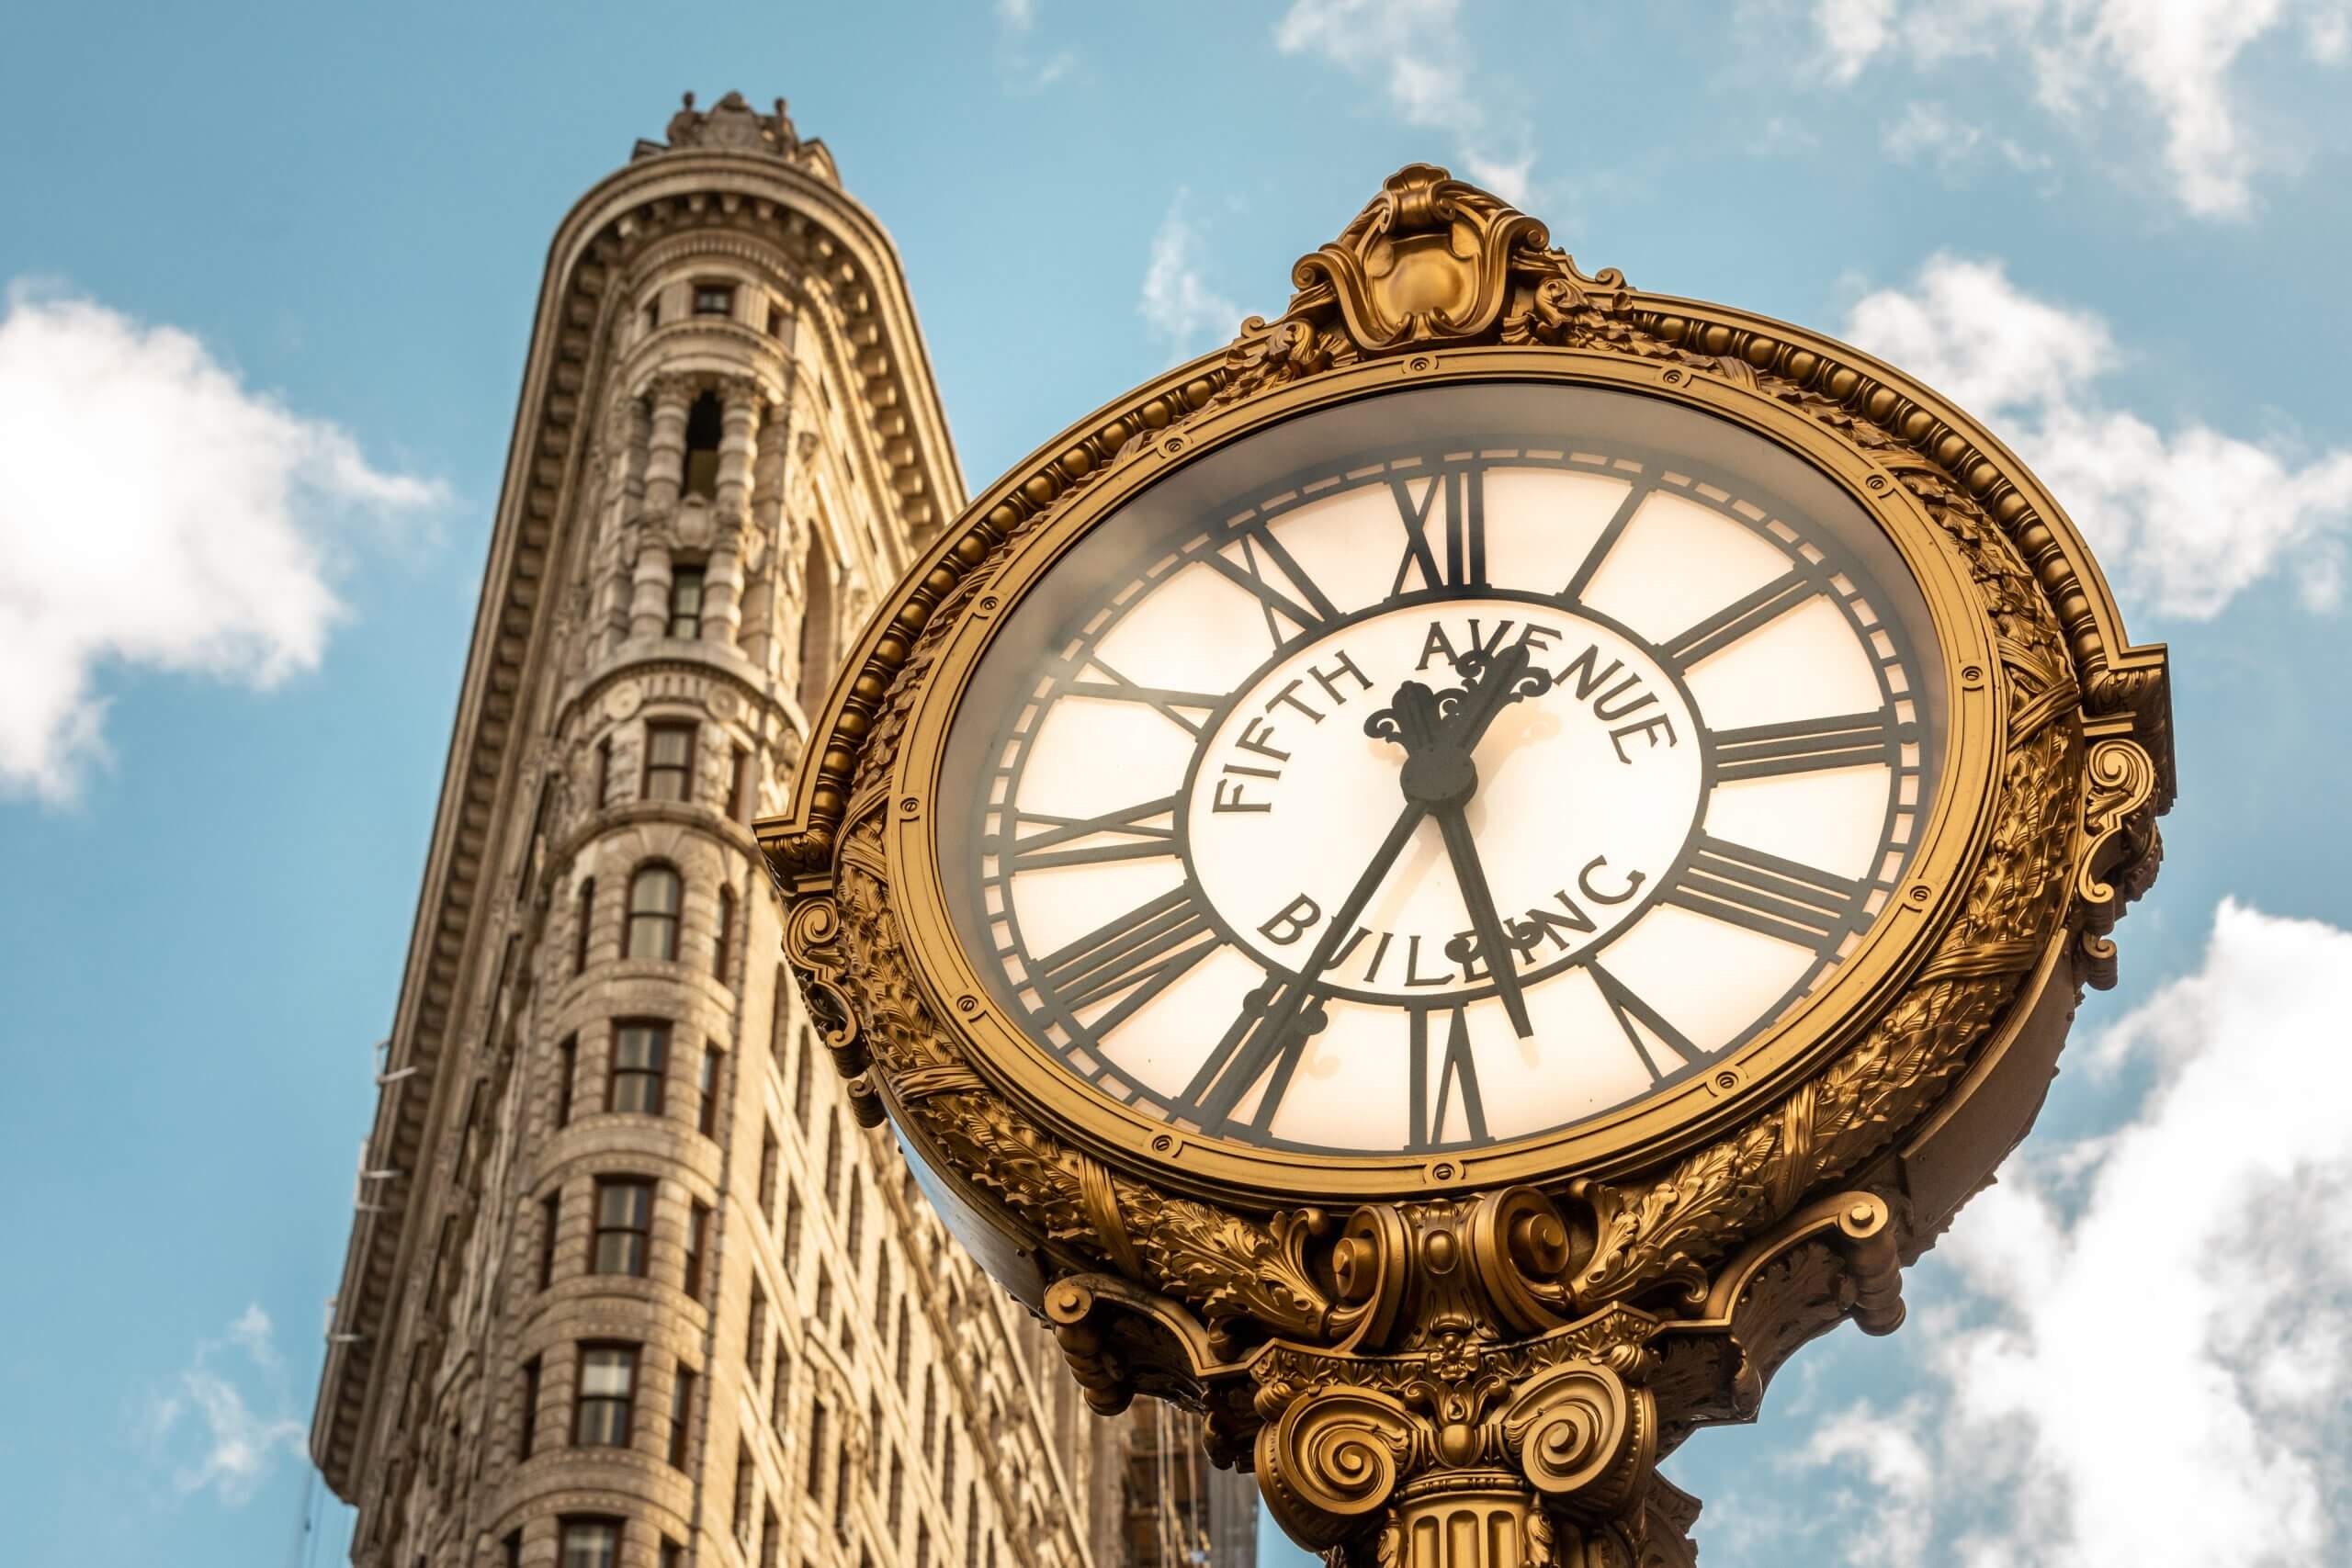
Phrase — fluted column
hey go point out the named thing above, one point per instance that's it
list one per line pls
(758, 632)
(722, 605)
(665, 475)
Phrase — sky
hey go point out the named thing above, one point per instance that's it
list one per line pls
(267, 277)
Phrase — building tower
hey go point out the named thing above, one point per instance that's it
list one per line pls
(627, 1287)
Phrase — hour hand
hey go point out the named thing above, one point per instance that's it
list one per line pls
(1462, 847)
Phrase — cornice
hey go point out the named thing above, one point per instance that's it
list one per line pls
(564, 372)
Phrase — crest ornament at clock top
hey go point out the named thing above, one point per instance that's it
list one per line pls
(1451, 882)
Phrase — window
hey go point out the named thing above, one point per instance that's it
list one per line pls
(653, 312)
(818, 1416)
(638, 1048)
(972, 1525)
(906, 1347)
(511, 1549)
(624, 1225)
(948, 1464)
(743, 1493)
(856, 1229)
(824, 1294)
(685, 601)
(930, 1409)
(894, 1507)
(775, 321)
(673, 1554)
(682, 1410)
(654, 895)
(583, 921)
(767, 1175)
(791, 1224)
(922, 1544)
(755, 1332)
(713, 298)
(840, 1494)
(604, 772)
(551, 1216)
(697, 1237)
(529, 1427)
(816, 625)
(567, 1069)
(739, 787)
(704, 426)
(800, 1084)
(590, 1543)
(881, 1290)
(669, 762)
(707, 1117)
(834, 1159)
(768, 1533)
(722, 952)
(779, 1398)
(608, 1391)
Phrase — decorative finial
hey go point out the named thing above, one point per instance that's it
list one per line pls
(1431, 261)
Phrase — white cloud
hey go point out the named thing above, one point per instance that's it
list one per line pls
(1017, 16)
(205, 1427)
(2176, 59)
(1413, 49)
(1177, 300)
(2153, 1369)
(1927, 133)
(2183, 520)
(156, 513)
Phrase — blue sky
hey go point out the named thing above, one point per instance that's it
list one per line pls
(269, 271)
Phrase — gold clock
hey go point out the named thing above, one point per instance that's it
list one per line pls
(1449, 883)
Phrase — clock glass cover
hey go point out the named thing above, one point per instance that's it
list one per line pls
(1444, 768)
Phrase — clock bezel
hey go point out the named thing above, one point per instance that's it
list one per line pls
(1641, 1131)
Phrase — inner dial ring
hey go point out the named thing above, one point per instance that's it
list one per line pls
(1587, 794)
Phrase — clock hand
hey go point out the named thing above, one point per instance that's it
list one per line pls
(1501, 962)
(1223, 1088)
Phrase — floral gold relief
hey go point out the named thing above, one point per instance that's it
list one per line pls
(1476, 1359)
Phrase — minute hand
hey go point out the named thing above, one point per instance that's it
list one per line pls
(1463, 850)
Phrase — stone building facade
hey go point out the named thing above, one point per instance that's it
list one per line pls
(627, 1287)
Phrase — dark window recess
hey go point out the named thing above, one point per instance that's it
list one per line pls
(768, 1152)
(590, 1543)
(639, 1050)
(713, 298)
(722, 956)
(607, 1393)
(567, 1069)
(550, 1216)
(624, 1226)
(707, 1116)
(654, 896)
(697, 1239)
(704, 425)
(528, 1427)
(685, 601)
(682, 1410)
(669, 762)
(586, 923)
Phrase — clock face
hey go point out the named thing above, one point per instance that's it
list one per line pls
(1442, 769)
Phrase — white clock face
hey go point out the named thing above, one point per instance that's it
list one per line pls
(1428, 776)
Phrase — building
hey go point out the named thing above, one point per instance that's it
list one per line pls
(626, 1286)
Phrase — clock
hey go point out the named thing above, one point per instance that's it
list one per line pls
(1442, 769)
(1449, 883)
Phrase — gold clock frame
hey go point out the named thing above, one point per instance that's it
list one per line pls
(1673, 1118)
(1507, 1337)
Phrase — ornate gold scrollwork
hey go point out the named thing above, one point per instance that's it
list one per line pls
(1333, 1460)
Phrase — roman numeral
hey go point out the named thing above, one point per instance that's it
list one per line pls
(1808, 745)
(1135, 833)
(1737, 619)
(1457, 1073)
(1628, 1008)
(1265, 1042)
(1170, 704)
(1141, 954)
(1763, 893)
(1465, 539)
(1259, 545)
(1610, 535)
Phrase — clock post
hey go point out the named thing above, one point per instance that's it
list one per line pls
(1450, 883)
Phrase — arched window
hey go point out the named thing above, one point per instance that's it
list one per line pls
(816, 624)
(654, 897)
(703, 427)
